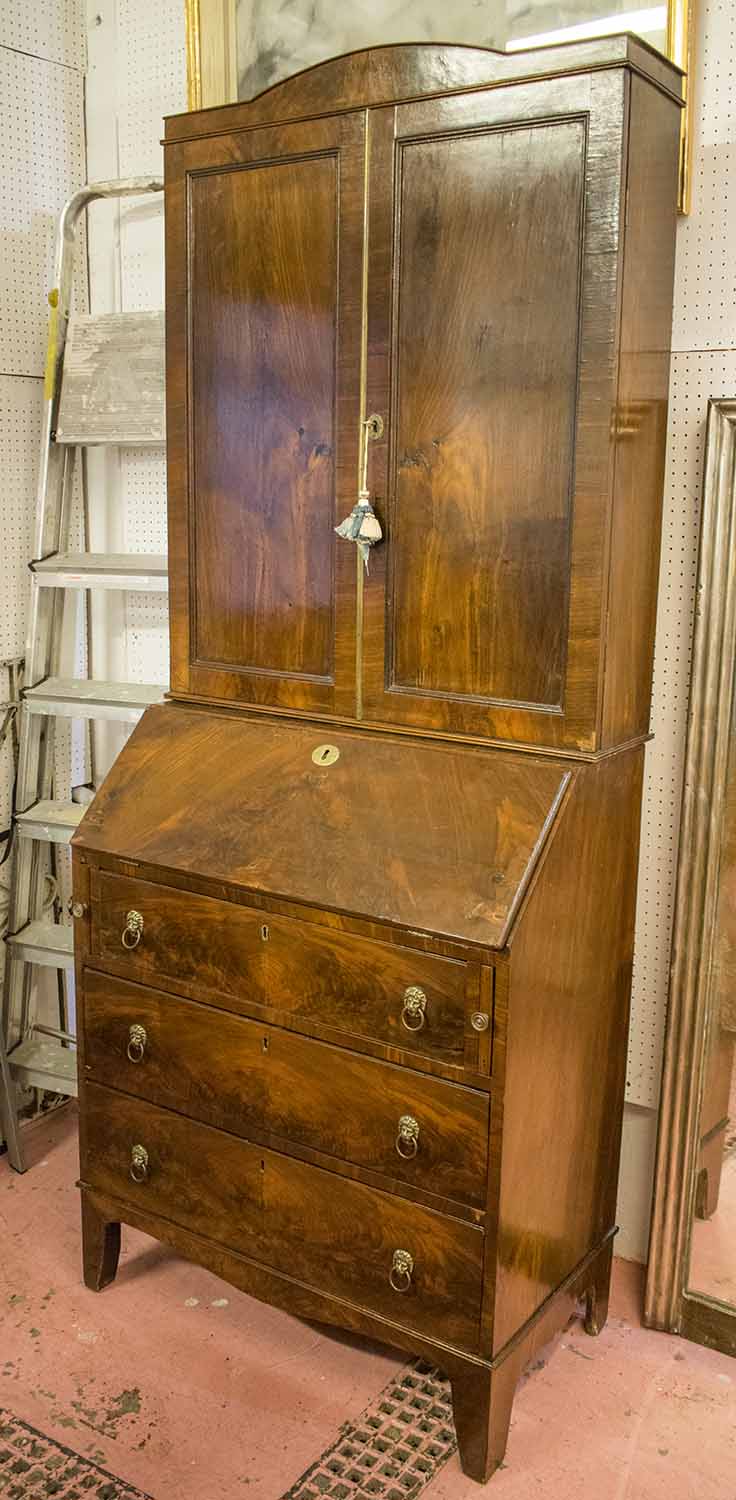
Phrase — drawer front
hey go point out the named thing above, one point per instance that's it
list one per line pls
(328, 1231)
(300, 968)
(249, 1077)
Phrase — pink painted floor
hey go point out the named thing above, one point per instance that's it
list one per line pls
(192, 1391)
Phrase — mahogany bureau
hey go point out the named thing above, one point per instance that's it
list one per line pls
(354, 908)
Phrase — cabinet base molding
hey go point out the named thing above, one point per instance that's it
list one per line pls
(482, 1390)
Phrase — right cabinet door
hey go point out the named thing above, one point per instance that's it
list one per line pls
(494, 222)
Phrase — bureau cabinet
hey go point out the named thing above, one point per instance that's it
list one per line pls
(355, 906)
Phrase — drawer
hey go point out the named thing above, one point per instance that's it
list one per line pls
(334, 1234)
(352, 984)
(252, 1078)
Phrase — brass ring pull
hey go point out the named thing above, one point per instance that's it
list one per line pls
(407, 1140)
(415, 1005)
(137, 1038)
(402, 1266)
(139, 1163)
(133, 930)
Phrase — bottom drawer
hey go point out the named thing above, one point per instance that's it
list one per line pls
(337, 1235)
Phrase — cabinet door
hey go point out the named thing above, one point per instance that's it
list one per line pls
(492, 339)
(264, 272)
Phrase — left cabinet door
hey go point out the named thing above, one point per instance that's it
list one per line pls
(264, 235)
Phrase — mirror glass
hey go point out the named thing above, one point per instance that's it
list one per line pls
(276, 40)
(713, 1235)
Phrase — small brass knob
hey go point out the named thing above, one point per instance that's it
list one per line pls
(479, 1020)
(400, 1274)
(133, 930)
(137, 1038)
(415, 1005)
(139, 1163)
(407, 1140)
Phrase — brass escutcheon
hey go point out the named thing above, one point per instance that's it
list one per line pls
(415, 1005)
(479, 1020)
(133, 930)
(325, 755)
(400, 1274)
(139, 1163)
(407, 1140)
(137, 1038)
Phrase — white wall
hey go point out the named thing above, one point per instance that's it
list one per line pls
(42, 58)
(136, 74)
(703, 366)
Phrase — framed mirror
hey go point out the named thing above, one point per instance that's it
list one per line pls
(237, 48)
(691, 1280)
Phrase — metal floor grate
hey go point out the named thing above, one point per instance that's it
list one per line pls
(393, 1449)
(34, 1467)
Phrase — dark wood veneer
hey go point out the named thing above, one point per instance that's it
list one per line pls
(478, 248)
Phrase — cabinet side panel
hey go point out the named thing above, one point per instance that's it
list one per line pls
(570, 984)
(641, 412)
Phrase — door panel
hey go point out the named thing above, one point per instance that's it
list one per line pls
(491, 347)
(273, 308)
(485, 350)
(264, 319)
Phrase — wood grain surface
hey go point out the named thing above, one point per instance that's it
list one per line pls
(260, 1081)
(333, 1233)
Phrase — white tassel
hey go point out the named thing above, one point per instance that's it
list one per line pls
(362, 526)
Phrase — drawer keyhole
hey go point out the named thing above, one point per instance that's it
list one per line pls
(325, 755)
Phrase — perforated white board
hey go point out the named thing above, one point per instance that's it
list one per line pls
(137, 57)
(42, 49)
(703, 367)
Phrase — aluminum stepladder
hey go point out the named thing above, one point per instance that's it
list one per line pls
(104, 384)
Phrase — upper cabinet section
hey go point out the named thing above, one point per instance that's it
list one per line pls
(489, 271)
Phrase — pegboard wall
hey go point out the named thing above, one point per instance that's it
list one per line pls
(703, 366)
(136, 58)
(42, 59)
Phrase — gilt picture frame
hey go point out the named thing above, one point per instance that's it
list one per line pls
(212, 61)
(670, 1303)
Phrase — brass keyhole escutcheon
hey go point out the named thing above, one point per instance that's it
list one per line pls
(374, 426)
(325, 755)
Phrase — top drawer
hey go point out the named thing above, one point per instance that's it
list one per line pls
(417, 1001)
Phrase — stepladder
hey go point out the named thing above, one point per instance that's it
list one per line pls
(103, 386)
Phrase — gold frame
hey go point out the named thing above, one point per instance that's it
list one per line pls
(669, 1303)
(212, 71)
(212, 64)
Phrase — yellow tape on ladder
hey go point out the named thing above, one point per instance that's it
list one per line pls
(49, 379)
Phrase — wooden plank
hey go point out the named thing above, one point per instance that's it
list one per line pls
(112, 388)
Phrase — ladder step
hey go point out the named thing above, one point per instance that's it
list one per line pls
(50, 822)
(84, 698)
(103, 570)
(112, 384)
(40, 1063)
(46, 943)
